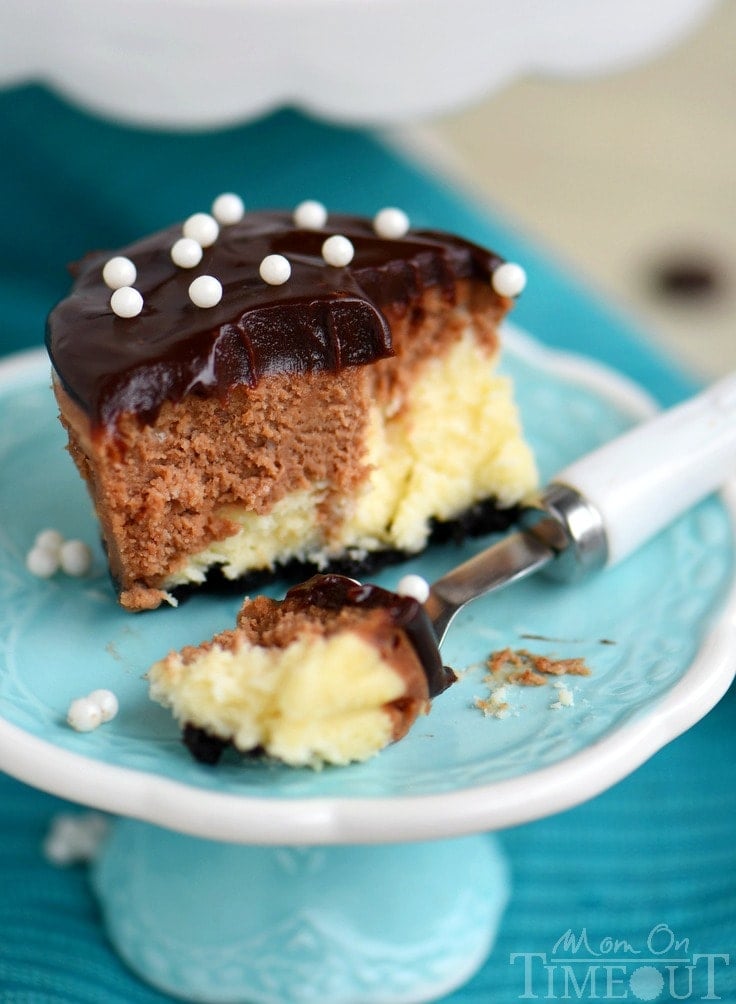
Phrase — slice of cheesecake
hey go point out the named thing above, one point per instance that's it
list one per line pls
(302, 403)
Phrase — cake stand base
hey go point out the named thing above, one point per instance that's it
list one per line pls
(227, 923)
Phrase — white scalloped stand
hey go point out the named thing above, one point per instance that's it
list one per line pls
(211, 62)
(380, 883)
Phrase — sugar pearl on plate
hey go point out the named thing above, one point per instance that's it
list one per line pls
(75, 558)
(74, 838)
(186, 252)
(106, 701)
(508, 279)
(414, 586)
(43, 562)
(50, 539)
(84, 715)
(118, 272)
(275, 269)
(228, 208)
(202, 228)
(205, 291)
(391, 223)
(87, 713)
(310, 215)
(338, 251)
(126, 302)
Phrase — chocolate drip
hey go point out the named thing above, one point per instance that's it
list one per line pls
(334, 592)
(323, 318)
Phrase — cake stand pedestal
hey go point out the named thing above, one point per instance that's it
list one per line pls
(225, 923)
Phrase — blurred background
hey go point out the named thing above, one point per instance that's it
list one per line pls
(630, 179)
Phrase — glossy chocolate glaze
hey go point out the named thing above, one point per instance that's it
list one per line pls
(323, 318)
(334, 592)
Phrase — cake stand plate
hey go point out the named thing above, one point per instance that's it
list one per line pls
(376, 882)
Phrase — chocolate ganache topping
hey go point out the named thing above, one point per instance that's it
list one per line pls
(322, 318)
(333, 592)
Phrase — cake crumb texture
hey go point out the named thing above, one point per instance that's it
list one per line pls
(521, 668)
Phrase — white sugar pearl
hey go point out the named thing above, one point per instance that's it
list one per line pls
(205, 291)
(275, 269)
(508, 279)
(186, 253)
(49, 539)
(228, 208)
(338, 251)
(119, 271)
(126, 302)
(42, 562)
(60, 845)
(202, 228)
(84, 715)
(391, 223)
(310, 215)
(58, 851)
(91, 830)
(414, 586)
(106, 701)
(75, 838)
(75, 558)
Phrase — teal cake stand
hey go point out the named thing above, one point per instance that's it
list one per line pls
(225, 923)
(380, 882)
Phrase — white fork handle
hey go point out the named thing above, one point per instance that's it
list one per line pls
(641, 481)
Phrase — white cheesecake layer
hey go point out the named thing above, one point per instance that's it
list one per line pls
(318, 700)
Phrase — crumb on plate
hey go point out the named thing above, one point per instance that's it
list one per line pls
(521, 668)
